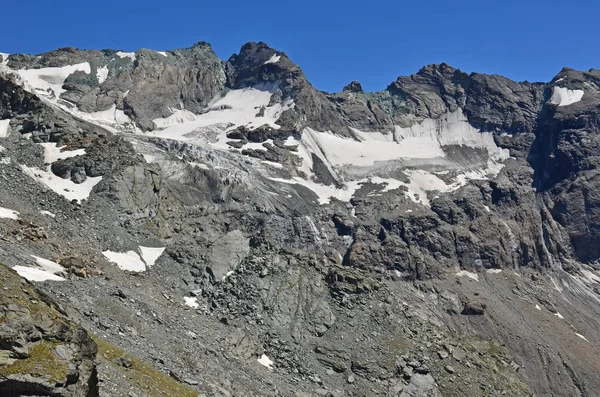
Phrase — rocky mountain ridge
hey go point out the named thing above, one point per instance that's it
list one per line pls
(434, 238)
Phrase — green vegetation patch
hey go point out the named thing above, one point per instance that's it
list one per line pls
(142, 375)
(43, 362)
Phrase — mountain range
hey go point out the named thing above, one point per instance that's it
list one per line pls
(174, 224)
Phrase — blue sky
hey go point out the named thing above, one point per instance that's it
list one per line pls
(333, 41)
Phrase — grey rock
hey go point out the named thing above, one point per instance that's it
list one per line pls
(227, 252)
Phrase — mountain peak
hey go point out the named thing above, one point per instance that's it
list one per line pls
(354, 86)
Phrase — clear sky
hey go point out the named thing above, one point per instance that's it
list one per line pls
(334, 41)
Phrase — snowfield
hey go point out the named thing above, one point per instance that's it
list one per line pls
(133, 261)
(49, 81)
(8, 213)
(52, 153)
(562, 96)
(4, 124)
(64, 187)
(426, 144)
(129, 260)
(244, 107)
(265, 361)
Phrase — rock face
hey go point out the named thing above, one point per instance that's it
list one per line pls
(438, 237)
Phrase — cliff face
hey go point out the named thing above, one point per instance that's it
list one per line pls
(299, 242)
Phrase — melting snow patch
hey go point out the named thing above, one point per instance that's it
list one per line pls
(557, 314)
(266, 361)
(48, 213)
(274, 59)
(494, 271)
(33, 274)
(191, 302)
(4, 124)
(65, 187)
(471, 275)
(129, 260)
(8, 213)
(562, 96)
(46, 270)
(122, 54)
(150, 255)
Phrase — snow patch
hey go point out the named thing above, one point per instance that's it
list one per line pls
(274, 59)
(122, 54)
(562, 96)
(48, 265)
(471, 275)
(109, 116)
(4, 58)
(52, 153)
(538, 307)
(582, 337)
(64, 187)
(4, 124)
(129, 260)
(191, 302)
(227, 275)
(8, 213)
(134, 262)
(48, 213)
(34, 274)
(164, 54)
(244, 107)
(557, 314)
(272, 164)
(150, 255)
(323, 192)
(46, 270)
(102, 74)
(265, 361)
(494, 271)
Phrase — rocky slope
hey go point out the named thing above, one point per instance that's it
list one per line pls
(246, 234)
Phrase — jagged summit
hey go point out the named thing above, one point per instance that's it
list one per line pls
(354, 86)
